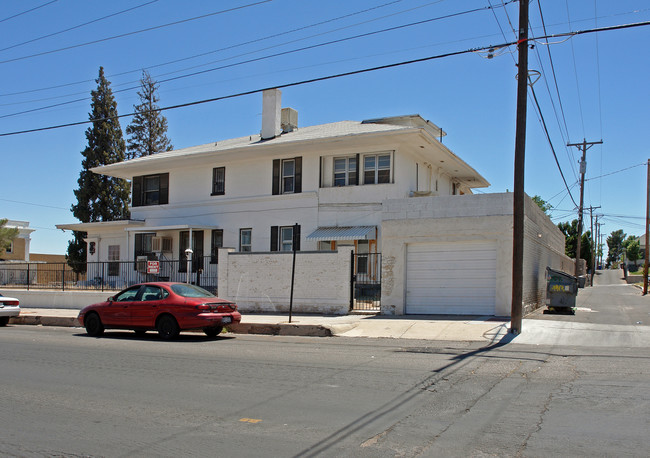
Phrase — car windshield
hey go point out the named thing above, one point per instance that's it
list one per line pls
(187, 290)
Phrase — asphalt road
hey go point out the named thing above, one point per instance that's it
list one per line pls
(611, 301)
(65, 394)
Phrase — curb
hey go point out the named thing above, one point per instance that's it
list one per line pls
(281, 329)
(36, 320)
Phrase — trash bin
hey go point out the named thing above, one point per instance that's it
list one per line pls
(561, 291)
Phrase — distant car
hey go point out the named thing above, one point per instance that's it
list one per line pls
(162, 306)
(9, 306)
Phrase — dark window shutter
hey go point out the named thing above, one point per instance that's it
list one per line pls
(274, 238)
(136, 194)
(320, 173)
(296, 236)
(164, 188)
(276, 177)
(298, 176)
(356, 178)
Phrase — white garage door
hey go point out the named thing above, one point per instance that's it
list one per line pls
(451, 278)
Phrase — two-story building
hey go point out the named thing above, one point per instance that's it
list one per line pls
(323, 187)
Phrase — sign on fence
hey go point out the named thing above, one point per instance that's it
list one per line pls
(153, 267)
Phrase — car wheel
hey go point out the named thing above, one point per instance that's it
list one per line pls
(167, 327)
(213, 331)
(93, 324)
(4, 320)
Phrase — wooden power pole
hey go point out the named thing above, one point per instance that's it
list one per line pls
(516, 312)
(584, 146)
(647, 224)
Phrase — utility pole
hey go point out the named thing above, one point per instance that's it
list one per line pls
(647, 225)
(593, 244)
(600, 243)
(516, 312)
(585, 145)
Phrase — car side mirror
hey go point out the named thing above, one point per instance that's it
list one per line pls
(110, 299)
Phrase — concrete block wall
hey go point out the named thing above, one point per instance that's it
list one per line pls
(261, 282)
(485, 217)
(543, 247)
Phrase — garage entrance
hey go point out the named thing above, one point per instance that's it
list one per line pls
(451, 278)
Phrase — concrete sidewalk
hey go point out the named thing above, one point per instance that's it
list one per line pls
(467, 329)
(489, 330)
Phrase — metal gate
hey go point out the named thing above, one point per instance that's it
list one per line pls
(365, 282)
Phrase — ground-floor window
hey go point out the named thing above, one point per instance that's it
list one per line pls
(113, 260)
(245, 239)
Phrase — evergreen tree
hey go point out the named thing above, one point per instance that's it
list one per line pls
(570, 231)
(615, 246)
(99, 197)
(148, 129)
(7, 235)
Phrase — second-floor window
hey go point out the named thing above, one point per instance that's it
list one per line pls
(150, 190)
(376, 168)
(218, 181)
(287, 176)
(345, 171)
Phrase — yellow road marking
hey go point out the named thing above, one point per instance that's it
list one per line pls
(250, 420)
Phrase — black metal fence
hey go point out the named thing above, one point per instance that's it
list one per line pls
(110, 275)
(365, 282)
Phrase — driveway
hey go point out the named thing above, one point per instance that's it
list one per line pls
(609, 314)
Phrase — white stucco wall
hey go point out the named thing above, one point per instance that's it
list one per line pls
(485, 217)
(261, 282)
(57, 299)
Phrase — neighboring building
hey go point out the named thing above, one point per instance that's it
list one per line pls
(339, 186)
(19, 248)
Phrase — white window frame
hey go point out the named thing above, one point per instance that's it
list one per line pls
(285, 233)
(151, 196)
(246, 247)
(376, 168)
(346, 172)
(284, 177)
(113, 260)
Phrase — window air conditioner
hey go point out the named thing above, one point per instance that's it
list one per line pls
(142, 264)
(161, 244)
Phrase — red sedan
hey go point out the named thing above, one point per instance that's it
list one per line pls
(166, 307)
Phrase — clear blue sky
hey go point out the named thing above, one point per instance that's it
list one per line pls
(602, 80)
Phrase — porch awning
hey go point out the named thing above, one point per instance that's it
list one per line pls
(344, 233)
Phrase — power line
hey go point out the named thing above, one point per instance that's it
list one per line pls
(77, 26)
(122, 35)
(268, 56)
(566, 139)
(548, 137)
(30, 203)
(221, 49)
(27, 11)
(575, 68)
(339, 75)
(618, 171)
